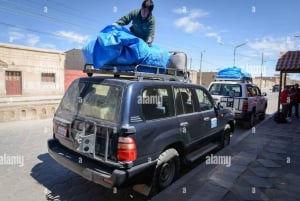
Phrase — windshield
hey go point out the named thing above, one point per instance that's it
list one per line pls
(225, 89)
(94, 100)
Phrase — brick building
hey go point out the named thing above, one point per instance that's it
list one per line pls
(73, 66)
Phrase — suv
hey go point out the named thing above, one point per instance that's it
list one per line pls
(243, 97)
(120, 131)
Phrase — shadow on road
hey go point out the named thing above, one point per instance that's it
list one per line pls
(61, 184)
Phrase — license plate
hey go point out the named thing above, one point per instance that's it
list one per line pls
(62, 131)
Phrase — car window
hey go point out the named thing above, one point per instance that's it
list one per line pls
(93, 100)
(204, 100)
(225, 89)
(258, 93)
(156, 102)
(251, 91)
(185, 101)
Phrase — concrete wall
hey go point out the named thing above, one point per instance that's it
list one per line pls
(206, 78)
(28, 111)
(38, 99)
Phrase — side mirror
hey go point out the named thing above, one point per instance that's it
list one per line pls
(264, 94)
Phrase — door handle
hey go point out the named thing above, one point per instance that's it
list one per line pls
(206, 118)
(184, 124)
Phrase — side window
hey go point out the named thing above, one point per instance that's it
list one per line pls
(258, 93)
(251, 91)
(204, 101)
(157, 102)
(185, 101)
(215, 89)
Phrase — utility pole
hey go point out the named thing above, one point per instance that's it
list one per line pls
(234, 51)
(200, 69)
(262, 63)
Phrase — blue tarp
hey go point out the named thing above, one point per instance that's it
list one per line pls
(117, 45)
(233, 73)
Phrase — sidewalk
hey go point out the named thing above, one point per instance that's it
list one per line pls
(265, 165)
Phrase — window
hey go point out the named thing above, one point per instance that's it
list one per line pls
(156, 102)
(226, 90)
(184, 101)
(204, 101)
(251, 91)
(93, 100)
(48, 77)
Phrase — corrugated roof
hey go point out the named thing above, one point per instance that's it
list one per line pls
(289, 62)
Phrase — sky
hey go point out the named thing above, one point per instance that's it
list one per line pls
(258, 30)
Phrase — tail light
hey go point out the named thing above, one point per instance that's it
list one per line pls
(126, 149)
(245, 105)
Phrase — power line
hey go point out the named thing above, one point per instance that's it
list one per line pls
(15, 9)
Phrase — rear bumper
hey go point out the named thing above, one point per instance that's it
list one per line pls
(93, 170)
(242, 115)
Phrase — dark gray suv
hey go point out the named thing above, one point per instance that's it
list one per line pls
(120, 131)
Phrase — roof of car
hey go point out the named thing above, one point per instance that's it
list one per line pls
(128, 80)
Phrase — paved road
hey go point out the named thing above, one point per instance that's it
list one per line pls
(27, 172)
(41, 178)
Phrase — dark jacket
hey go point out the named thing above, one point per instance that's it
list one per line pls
(143, 29)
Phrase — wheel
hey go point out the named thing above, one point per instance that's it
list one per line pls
(167, 169)
(250, 122)
(225, 139)
(89, 74)
(263, 115)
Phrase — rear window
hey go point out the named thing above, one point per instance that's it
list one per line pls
(94, 100)
(225, 89)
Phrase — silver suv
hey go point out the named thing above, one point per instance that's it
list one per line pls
(243, 97)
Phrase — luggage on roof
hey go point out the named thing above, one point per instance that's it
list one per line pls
(116, 45)
(233, 73)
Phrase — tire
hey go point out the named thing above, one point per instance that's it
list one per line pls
(263, 115)
(225, 139)
(167, 169)
(89, 74)
(250, 122)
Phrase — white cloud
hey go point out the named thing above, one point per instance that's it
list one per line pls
(189, 22)
(32, 39)
(115, 9)
(13, 36)
(274, 45)
(214, 35)
(181, 10)
(48, 46)
(73, 37)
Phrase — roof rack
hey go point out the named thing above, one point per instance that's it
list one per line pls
(242, 80)
(139, 71)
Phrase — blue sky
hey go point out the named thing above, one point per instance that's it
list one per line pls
(213, 27)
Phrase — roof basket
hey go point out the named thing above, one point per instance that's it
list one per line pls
(139, 71)
(242, 80)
